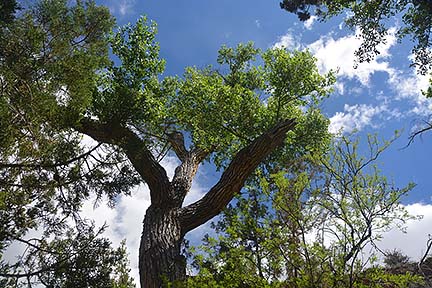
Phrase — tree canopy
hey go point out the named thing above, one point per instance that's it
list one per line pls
(60, 87)
(87, 113)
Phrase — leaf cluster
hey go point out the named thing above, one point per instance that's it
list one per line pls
(78, 258)
(371, 18)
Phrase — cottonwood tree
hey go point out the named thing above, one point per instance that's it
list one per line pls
(58, 84)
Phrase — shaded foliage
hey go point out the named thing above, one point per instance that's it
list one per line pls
(8, 9)
(47, 52)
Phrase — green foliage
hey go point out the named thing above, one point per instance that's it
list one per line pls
(245, 251)
(7, 10)
(90, 262)
(232, 109)
(56, 74)
(395, 260)
(355, 205)
(307, 225)
(371, 18)
(50, 57)
(129, 93)
(75, 259)
(378, 278)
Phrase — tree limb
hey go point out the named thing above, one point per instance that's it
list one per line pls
(419, 132)
(184, 174)
(176, 139)
(137, 152)
(233, 178)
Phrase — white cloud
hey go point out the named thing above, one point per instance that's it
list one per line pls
(309, 23)
(339, 54)
(124, 222)
(123, 7)
(354, 117)
(409, 88)
(339, 87)
(126, 6)
(288, 41)
(413, 242)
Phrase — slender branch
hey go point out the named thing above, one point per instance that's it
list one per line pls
(233, 178)
(425, 255)
(46, 165)
(54, 265)
(419, 132)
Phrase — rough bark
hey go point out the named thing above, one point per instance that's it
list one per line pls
(159, 252)
(165, 222)
(233, 178)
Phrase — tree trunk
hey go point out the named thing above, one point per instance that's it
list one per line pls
(166, 223)
(159, 252)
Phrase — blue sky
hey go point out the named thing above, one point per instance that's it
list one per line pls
(377, 97)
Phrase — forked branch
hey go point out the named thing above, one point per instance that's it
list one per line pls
(234, 177)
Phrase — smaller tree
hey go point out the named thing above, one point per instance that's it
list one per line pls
(245, 251)
(396, 260)
(308, 225)
(356, 204)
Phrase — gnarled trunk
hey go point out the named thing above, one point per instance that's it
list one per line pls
(159, 252)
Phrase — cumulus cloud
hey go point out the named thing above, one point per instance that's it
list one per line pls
(124, 221)
(339, 54)
(354, 117)
(413, 241)
(288, 41)
(409, 87)
(122, 8)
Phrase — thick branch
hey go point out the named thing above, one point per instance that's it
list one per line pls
(233, 178)
(176, 139)
(184, 174)
(136, 150)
